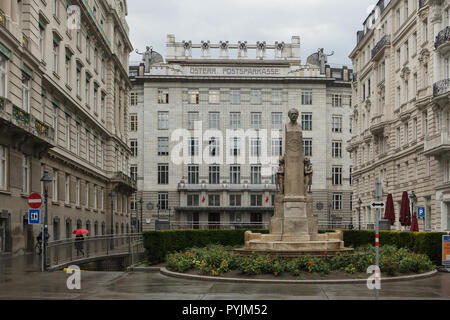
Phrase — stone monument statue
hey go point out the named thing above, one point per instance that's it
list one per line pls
(323, 59)
(293, 227)
(146, 57)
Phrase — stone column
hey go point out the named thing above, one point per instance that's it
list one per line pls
(294, 168)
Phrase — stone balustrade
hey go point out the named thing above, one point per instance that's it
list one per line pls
(441, 87)
(437, 144)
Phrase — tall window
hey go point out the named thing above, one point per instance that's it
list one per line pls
(163, 200)
(163, 120)
(235, 120)
(102, 68)
(277, 147)
(336, 100)
(77, 138)
(56, 8)
(307, 147)
(425, 123)
(102, 107)
(235, 96)
(306, 121)
(67, 132)
(194, 96)
(256, 200)
(255, 176)
(336, 175)
(235, 174)
(277, 121)
(78, 80)
(193, 200)
(163, 174)
(213, 120)
(235, 146)
(306, 96)
(42, 41)
(55, 185)
(336, 149)
(68, 65)
(3, 77)
(193, 174)
(87, 94)
(55, 56)
(3, 167)
(277, 97)
(67, 189)
(425, 30)
(255, 119)
(88, 48)
(25, 174)
(25, 92)
(163, 96)
(193, 146)
(163, 146)
(95, 59)
(133, 122)
(134, 147)
(214, 200)
(78, 193)
(337, 201)
(214, 96)
(95, 97)
(214, 174)
(255, 96)
(337, 124)
(133, 172)
(133, 98)
(235, 200)
(193, 116)
(213, 145)
(255, 147)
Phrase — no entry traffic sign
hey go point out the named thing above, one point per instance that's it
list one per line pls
(35, 200)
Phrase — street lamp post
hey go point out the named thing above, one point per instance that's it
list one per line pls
(45, 179)
(359, 213)
(141, 201)
(112, 194)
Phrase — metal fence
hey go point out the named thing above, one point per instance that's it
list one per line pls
(68, 250)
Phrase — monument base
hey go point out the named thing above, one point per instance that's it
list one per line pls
(320, 244)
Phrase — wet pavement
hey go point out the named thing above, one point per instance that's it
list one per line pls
(20, 278)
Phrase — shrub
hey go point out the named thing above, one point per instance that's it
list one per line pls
(295, 266)
(341, 261)
(318, 265)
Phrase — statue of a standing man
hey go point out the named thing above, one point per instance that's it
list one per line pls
(146, 57)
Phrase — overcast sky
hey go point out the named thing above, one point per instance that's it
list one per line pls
(331, 24)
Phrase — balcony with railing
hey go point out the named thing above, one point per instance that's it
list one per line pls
(124, 181)
(21, 123)
(384, 42)
(437, 144)
(227, 186)
(377, 124)
(441, 87)
(442, 39)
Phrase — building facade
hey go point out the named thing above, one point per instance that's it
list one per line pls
(207, 132)
(401, 110)
(63, 109)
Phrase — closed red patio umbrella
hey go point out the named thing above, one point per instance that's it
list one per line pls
(405, 215)
(414, 223)
(389, 213)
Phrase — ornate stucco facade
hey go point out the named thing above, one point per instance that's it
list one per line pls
(63, 109)
(401, 110)
(246, 89)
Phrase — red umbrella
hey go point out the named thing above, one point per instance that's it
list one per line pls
(80, 231)
(405, 215)
(389, 211)
(414, 223)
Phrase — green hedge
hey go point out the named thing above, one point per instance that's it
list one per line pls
(158, 243)
(429, 243)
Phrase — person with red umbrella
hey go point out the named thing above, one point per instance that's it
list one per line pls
(79, 240)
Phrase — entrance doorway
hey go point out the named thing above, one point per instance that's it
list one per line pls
(213, 220)
(28, 236)
(2, 235)
(68, 229)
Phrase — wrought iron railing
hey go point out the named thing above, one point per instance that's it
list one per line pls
(441, 87)
(62, 252)
(443, 36)
(122, 177)
(384, 41)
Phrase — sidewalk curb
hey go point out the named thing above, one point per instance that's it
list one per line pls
(168, 273)
(143, 269)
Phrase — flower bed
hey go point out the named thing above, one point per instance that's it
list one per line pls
(215, 260)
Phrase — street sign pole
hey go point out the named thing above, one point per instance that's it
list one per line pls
(377, 231)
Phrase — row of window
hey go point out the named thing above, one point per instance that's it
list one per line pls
(235, 174)
(235, 147)
(306, 121)
(193, 97)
